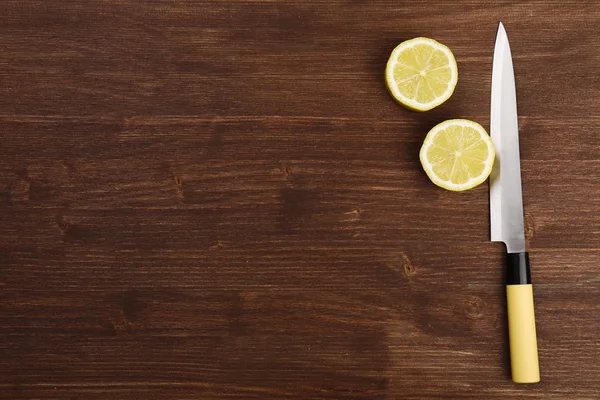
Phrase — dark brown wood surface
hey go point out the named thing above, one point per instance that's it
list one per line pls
(220, 200)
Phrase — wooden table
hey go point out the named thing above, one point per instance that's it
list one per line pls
(220, 200)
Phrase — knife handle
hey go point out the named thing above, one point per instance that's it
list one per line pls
(521, 320)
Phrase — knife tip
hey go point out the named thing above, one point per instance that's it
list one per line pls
(501, 32)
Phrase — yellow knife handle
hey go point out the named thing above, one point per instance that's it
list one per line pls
(521, 320)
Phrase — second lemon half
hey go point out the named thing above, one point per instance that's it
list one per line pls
(421, 73)
(457, 154)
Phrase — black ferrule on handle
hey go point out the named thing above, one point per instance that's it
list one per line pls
(517, 269)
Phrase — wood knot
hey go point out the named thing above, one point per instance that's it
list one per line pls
(474, 306)
(286, 170)
(178, 182)
(63, 224)
(409, 270)
(529, 226)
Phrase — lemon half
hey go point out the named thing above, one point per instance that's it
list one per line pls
(421, 73)
(457, 154)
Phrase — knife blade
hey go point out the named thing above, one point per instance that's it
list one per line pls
(506, 215)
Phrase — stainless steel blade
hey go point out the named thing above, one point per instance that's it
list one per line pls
(506, 200)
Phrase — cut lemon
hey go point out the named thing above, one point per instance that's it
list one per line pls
(457, 154)
(421, 74)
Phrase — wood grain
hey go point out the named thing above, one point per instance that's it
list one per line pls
(219, 200)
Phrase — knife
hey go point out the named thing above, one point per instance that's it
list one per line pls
(506, 214)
